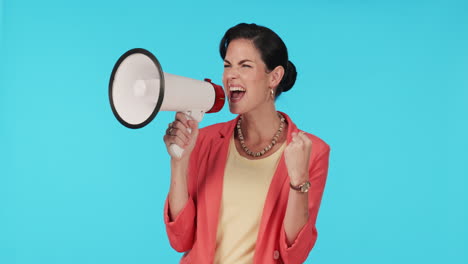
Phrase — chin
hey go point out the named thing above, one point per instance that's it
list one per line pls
(235, 110)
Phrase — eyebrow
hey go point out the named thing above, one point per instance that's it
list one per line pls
(240, 62)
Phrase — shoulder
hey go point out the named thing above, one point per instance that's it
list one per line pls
(213, 130)
(216, 131)
(213, 138)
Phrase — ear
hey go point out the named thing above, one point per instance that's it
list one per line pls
(276, 75)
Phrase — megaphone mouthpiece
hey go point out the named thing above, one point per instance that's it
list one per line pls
(219, 97)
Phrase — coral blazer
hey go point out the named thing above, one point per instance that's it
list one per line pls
(194, 229)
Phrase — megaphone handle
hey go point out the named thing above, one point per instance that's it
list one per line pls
(195, 115)
(174, 149)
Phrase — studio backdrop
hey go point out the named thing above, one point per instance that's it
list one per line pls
(384, 83)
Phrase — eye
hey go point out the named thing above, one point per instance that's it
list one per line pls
(246, 66)
(227, 65)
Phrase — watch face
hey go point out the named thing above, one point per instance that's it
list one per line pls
(305, 187)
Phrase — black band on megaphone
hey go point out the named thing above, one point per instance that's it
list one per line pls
(161, 89)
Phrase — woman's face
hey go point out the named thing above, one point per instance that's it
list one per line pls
(245, 77)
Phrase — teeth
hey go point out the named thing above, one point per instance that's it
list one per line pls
(236, 89)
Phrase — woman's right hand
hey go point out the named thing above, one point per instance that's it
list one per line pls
(179, 133)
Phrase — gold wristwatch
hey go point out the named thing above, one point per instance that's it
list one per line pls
(303, 188)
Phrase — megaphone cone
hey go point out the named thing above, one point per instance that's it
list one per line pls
(136, 88)
(139, 89)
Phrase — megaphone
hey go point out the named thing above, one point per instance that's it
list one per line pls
(139, 89)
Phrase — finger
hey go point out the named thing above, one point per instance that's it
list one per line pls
(173, 131)
(169, 131)
(303, 136)
(179, 124)
(175, 135)
(298, 139)
(193, 129)
(176, 140)
(193, 125)
(184, 137)
(294, 136)
(305, 139)
(169, 140)
(182, 117)
(181, 127)
(166, 140)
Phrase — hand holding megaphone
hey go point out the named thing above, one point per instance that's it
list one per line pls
(139, 89)
(181, 135)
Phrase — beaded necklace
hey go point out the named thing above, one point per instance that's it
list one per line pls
(267, 148)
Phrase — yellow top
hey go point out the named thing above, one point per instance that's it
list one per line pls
(245, 188)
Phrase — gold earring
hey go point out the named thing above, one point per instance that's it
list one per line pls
(272, 94)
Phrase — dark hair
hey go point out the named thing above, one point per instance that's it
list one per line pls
(272, 50)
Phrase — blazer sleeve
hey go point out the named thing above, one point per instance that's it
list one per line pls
(181, 230)
(305, 240)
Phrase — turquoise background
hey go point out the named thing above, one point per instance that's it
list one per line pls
(385, 83)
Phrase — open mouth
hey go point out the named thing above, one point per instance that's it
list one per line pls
(236, 94)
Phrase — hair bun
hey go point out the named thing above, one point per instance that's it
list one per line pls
(289, 77)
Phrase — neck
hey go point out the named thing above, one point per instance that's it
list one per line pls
(260, 125)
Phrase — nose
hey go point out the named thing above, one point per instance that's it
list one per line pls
(230, 73)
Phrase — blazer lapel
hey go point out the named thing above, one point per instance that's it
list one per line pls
(278, 181)
(213, 182)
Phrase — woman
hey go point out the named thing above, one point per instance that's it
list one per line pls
(248, 190)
